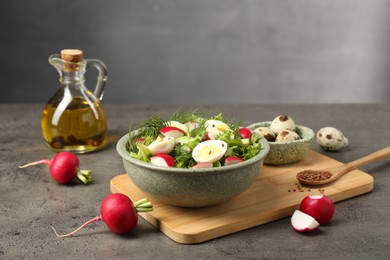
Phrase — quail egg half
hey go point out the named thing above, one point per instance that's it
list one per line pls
(209, 151)
(331, 139)
(215, 128)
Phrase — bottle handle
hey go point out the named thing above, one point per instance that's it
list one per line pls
(102, 76)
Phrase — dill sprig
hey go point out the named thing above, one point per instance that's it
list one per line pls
(183, 157)
(148, 128)
(152, 126)
(184, 117)
(201, 129)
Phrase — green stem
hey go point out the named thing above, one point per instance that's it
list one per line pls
(143, 205)
(84, 176)
(140, 202)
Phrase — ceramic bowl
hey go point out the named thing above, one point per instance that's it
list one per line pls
(291, 151)
(192, 187)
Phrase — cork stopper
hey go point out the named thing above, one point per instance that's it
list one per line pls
(72, 58)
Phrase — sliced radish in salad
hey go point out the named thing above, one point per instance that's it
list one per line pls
(209, 151)
(245, 132)
(139, 140)
(232, 160)
(163, 160)
(172, 131)
(203, 165)
(162, 145)
(207, 136)
(178, 125)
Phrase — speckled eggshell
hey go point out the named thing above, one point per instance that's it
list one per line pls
(331, 139)
(266, 132)
(286, 136)
(282, 122)
(291, 151)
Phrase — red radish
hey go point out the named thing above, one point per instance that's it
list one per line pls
(211, 136)
(303, 222)
(179, 125)
(232, 160)
(118, 213)
(203, 165)
(319, 207)
(139, 140)
(64, 167)
(163, 159)
(245, 132)
(171, 131)
(206, 137)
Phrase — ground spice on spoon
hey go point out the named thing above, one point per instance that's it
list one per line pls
(311, 175)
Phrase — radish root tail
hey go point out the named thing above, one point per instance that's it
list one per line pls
(35, 163)
(82, 226)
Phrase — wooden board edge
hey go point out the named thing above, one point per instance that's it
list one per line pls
(112, 187)
(200, 237)
(203, 236)
(356, 191)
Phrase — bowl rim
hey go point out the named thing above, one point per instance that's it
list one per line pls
(122, 151)
(301, 127)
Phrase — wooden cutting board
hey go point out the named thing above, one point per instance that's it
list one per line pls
(275, 194)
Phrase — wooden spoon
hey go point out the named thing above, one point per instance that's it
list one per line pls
(314, 177)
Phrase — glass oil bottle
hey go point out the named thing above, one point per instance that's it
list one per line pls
(73, 118)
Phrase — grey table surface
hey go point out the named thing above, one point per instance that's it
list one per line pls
(31, 202)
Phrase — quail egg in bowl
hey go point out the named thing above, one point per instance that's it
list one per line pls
(287, 146)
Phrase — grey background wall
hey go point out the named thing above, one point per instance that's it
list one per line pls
(203, 51)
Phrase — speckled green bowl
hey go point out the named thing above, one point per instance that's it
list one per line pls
(288, 152)
(192, 187)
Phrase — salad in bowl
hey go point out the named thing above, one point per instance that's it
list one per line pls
(192, 160)
(189, 140)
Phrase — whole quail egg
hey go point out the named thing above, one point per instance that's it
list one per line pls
(287, 135)
(331, 139)
(282, 122)
(266, 133)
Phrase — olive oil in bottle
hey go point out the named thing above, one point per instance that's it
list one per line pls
(73, 119)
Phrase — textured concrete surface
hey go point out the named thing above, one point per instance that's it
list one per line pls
(31, 202)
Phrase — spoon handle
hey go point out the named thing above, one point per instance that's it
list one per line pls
(373, 157)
